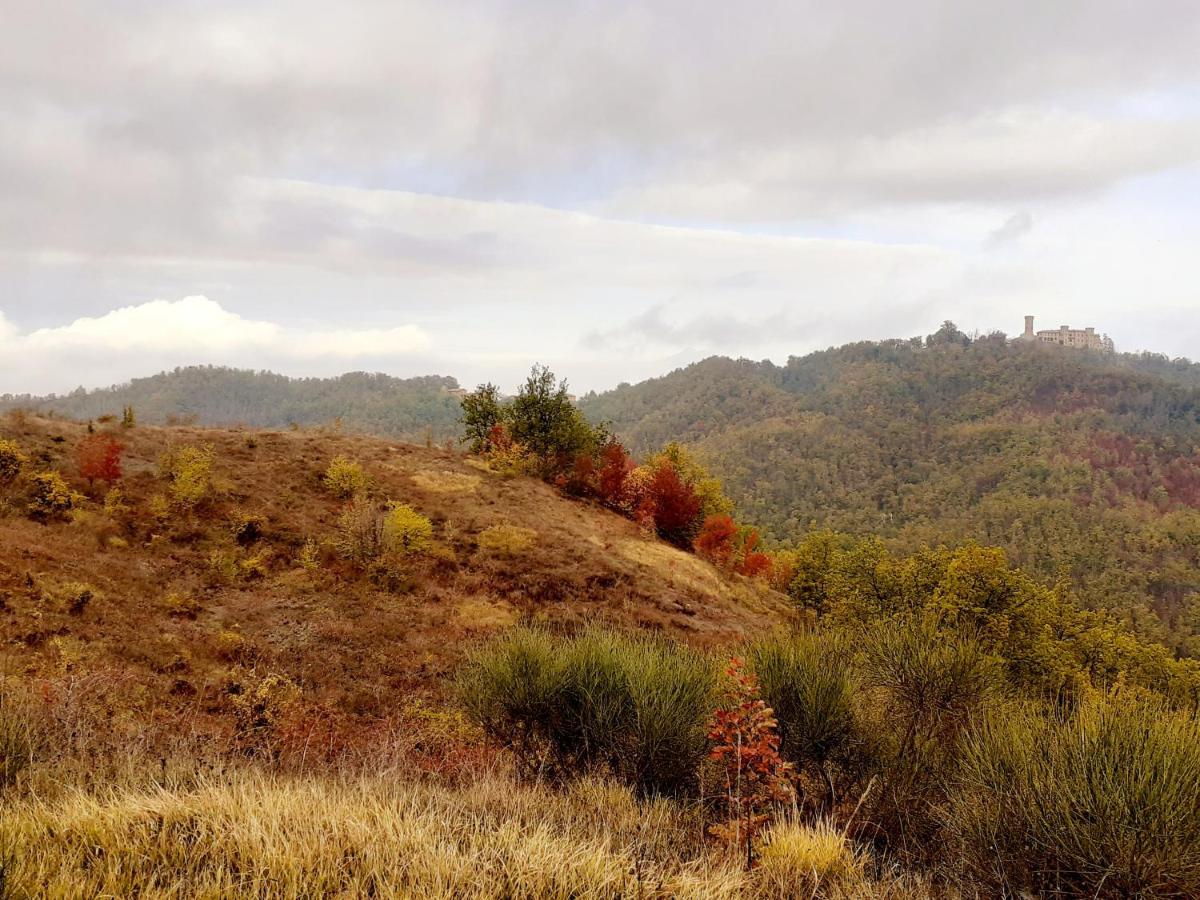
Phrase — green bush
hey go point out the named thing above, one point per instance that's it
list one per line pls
(925, 686)
(635, 706)
(51, 498)
(1103, 803)
(345, 478)
(513, 687)
(12, 461)
(807, 680)
(406, 531)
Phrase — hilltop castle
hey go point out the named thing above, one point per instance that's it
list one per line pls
(1066, 336)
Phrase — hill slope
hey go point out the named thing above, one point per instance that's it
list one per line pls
(163, 614)
(1083, 467)
(214, 395)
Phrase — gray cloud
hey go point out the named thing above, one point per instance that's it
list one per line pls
(436, 161)
(1015, 226)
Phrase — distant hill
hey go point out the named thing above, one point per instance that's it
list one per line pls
(1084, 466)
(212, 395)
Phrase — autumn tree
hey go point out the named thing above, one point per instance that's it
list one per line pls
(671, 504)
(745, 741)
(715, 541)
(100, 458)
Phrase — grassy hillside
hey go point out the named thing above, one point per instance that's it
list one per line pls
(413, 408)
(1084, 467)
(176, 605)
(273, 664)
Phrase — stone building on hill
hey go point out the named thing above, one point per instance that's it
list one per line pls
(1066, 336)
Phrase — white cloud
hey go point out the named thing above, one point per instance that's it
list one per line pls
(135, 340)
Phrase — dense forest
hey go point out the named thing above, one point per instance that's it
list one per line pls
(1084, 467)
(216, 395)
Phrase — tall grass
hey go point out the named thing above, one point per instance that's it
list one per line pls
(635, 705)
(1103, 803)
(19, 739)
(254, 836)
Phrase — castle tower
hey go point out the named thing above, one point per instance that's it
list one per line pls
(1028, 335)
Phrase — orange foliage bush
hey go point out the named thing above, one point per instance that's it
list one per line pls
(715, 542)
(100, 458)
(745, 740)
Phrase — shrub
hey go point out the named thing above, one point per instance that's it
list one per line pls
(745, 739)
(514, 687)
(100, 458)
(345, 478)
(406, 531)
(1102, 803)
(127, 418)
(803, 861)
(506, 540)
(806, 679)
(189, 470)
(12, 461)
(50, 498)
(930, 683)
(715, 541)
(635, 706)
(360, 531)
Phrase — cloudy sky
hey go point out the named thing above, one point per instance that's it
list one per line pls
(612, 188)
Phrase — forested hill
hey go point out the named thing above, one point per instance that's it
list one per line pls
(211, 395)
(1085, 467)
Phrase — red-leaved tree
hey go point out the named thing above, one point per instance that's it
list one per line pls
(615, 466)
(745, 739)
(751, 561)
(100, 458)
(715, 541)
(673, 504)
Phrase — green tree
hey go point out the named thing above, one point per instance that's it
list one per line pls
(481, 412)
(543, 419)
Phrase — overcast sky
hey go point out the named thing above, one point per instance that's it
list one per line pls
(612, 188)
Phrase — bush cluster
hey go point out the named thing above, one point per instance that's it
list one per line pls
(51, 498)
(345, 478)
(635, 707)
(12, 462)
(189, 471)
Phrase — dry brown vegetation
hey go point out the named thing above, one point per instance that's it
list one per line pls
(184, 603)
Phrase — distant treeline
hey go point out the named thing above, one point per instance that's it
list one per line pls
(216, 395)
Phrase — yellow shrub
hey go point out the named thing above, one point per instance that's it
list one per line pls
(159, 507)
(805, 860)
(259, 705)
(405, 530)
(345, 478)
(507, 539)
(309, 558)
(190, 472)
(114, 503)
(51, 497)
(12, 460)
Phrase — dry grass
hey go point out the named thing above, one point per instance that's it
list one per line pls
(353, 642)
(446, 482)
(255, 836)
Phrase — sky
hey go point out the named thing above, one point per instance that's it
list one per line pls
(614, 189)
